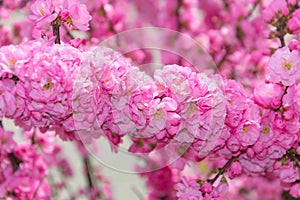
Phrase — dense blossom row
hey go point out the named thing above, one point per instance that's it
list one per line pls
(246, 127)
(84, 95)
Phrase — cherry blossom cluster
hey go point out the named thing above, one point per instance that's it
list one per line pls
(244, 123)
(26, 170)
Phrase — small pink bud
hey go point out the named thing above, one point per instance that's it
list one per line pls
(293, 45)
(206, 188)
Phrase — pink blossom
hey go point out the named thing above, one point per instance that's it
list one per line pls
(253, 165)
(75, 14)
(295, 190)
(175, 79)
(189, 189)
(206, 188)
(275, 7)
(288, 173)
(43, 97)
(294, 22)
(248, 133)
(42, 12)
(233, 144)
(8, 104)
(284, 67)
(292, 98)
(268, 95)
(293, 45)
(6, 140)
(235, 170)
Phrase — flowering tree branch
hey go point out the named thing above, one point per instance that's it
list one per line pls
(281, 99)
(55, 29)
(15, 162)
(222, 170)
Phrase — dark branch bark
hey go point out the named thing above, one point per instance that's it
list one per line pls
(221, 170)
(15, 162)
(281, 99)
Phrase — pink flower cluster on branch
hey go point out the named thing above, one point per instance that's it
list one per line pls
(248, 126)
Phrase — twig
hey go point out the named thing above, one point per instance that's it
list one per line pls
(55, 28)
(87, 164)
(221, 170)
(88, 174)
(223, 59)
(280, 29)
(15, 162)
(37, 188)
(281, 99)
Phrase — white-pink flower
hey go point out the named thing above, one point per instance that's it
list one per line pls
(284, 67)
(75, 14)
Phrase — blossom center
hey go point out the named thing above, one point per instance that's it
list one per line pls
(266, 130)
(245, 128)
(287, 65)
(13, 62)
(159, 115)
(42, 12)
(69, 21)
(47, 86)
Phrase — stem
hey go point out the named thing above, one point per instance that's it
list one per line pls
(292, 154)
(221, 170)
(223, 59)
(55, 28)
(37, 188)
(281, 99)
(88, 174)
(87, 164)
(15, 162)
(280, 29)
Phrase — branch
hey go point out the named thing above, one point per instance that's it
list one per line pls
(37, 188)
(280, 28)
(221, 170)
(55, 28)
(87, 165)
(281, 99)
(224, 57)
(89, 175)
(15, 162)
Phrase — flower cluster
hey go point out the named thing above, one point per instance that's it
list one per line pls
(243, 123)
(198, 189)
(22, 170)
